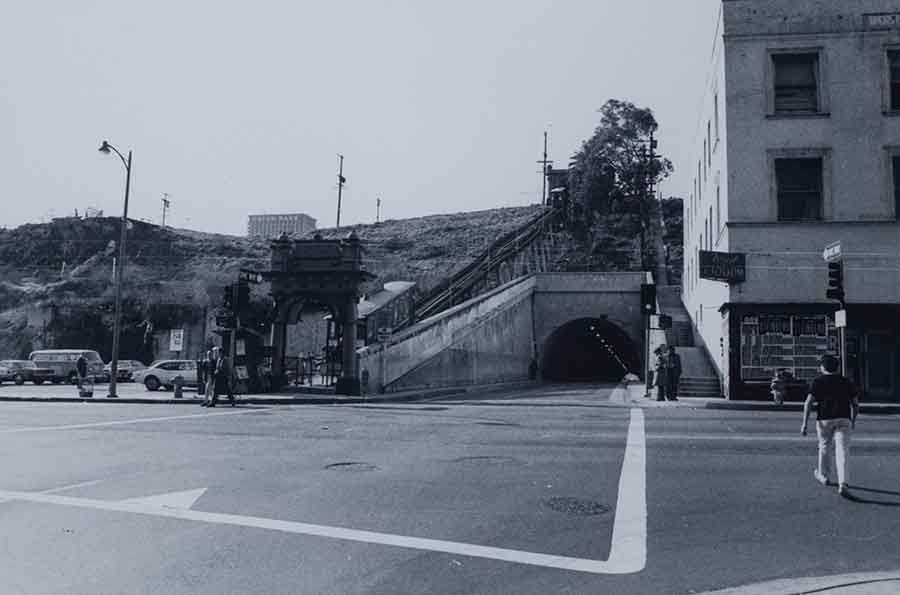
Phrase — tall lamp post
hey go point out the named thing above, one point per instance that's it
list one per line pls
(120, 266)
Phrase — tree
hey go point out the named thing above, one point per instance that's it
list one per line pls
(615, 170)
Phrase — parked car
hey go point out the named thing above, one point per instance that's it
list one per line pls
(62, 363)
(162, 373)
(21, 371)
(125, 370)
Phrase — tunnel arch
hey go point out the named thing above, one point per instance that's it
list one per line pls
(589, 350)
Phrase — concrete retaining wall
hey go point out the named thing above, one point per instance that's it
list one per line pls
(486, 339)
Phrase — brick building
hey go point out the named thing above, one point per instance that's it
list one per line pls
(799, 147)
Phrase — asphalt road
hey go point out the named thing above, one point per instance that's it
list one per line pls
(558, 490)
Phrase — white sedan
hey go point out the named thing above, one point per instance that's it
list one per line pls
(162, 373)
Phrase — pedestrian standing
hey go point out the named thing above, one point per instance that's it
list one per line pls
(837, 404)
(660, 374)
(673, 373)
(81, 371)
(210, 366)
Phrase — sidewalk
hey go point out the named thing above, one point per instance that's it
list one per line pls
(637, 391)
(871, 583)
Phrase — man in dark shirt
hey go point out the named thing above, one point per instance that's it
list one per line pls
(837, 406)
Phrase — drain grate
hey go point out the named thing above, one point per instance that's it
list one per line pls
(351, 466)
(575, 506)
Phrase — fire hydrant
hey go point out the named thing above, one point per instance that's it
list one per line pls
(177, 383)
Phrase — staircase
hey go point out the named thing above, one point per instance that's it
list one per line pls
(698, 376)
(691, 386)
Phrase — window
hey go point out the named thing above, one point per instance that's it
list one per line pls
(705, 160)
(716, 114)
(796, 88)
(895, 167)
(799, 188)
(893, 58)
(718, 207)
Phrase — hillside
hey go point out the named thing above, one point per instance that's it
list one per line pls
(56, 278)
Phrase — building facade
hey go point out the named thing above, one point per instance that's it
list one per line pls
(272, 226)
(798, 148)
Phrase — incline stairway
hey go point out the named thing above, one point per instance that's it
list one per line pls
(698, 377)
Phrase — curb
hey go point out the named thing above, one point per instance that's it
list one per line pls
(868, 409)
(874, 582)
(399, 397)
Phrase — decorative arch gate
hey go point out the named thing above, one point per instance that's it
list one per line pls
(321, 273)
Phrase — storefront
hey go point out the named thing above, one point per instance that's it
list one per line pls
(764, 338)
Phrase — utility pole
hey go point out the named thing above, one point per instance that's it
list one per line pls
(648, 193)
(378, 210)
(165, 207)
(544, 163)
(341, 180)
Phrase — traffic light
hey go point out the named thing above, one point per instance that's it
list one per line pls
(648, 298)
(243, 296)
(835, 289)
(228, 298)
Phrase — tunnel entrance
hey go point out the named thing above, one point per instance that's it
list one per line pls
(589, 350)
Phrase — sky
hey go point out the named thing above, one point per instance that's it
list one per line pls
(237, 108)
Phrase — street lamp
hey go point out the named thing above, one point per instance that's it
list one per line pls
(120, 266)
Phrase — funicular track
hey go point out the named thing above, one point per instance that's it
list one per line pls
(461, 285)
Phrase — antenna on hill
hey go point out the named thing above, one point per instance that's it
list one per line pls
(378, 210)
(545, 164)
(165, 206)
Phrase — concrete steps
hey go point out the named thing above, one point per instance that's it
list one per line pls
(693, 386)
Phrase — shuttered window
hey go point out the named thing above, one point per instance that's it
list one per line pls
(796, 83)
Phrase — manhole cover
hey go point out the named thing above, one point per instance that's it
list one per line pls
(575, 506)
(351, 466)
(490, 460)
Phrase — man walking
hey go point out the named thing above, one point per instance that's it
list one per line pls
(837, 404)
(673, 374)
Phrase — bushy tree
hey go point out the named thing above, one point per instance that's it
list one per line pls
(615, 170)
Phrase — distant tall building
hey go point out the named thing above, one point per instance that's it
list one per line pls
(272, 226)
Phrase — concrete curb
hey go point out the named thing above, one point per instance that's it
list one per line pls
(399, 397)
(864, 408)
(870, 583)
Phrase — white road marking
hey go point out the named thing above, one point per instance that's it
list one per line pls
(71, 486)
(628, 551)
(122, 422)
(184, 500)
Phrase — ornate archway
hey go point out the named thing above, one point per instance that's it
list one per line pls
(327, 273)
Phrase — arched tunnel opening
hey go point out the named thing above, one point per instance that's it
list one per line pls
(589, 350)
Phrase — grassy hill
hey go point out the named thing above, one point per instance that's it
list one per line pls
(56, 284)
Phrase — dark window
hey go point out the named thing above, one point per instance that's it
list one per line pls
(895, 166)
(799, 183)
(894, 66)
(796, 87)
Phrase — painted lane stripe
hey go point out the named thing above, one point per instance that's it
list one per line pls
(628, 552)
(629, 538)
(122, 422)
